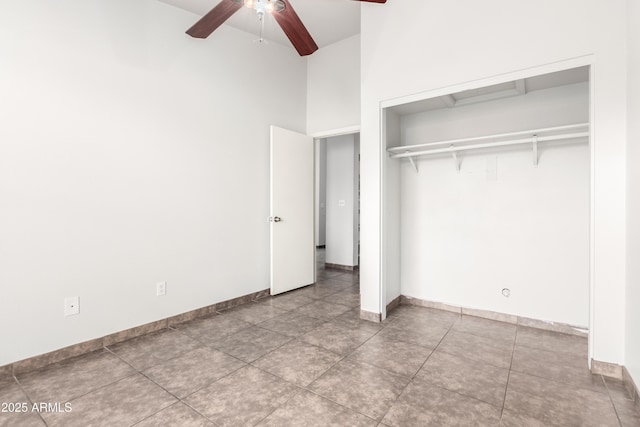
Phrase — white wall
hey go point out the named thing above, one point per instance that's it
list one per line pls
(130, 154)
(391, 251)
(333, 90)
(342, 199)
(493, 41)
(321, 191)
(632, 357)
(467, 235)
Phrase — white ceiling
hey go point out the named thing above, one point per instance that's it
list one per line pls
(328, 21)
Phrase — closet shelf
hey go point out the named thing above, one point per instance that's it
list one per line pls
(533, 136)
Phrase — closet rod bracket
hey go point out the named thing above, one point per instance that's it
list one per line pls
(456, 163)
(534, 143)
(413, 162)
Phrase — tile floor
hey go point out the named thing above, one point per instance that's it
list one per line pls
(306, 359)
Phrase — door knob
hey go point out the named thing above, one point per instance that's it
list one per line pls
(275, 219)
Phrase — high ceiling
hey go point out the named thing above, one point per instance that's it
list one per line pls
(328, 21)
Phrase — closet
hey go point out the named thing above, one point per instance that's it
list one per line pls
(486, 198)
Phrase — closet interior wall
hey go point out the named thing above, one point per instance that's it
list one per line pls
(499, 222)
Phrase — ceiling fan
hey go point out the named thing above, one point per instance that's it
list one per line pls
(282, 11)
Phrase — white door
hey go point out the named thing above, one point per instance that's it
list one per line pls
(291, 216)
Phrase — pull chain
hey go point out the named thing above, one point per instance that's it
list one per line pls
(261, 40)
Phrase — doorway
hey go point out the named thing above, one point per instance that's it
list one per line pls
(337, 203)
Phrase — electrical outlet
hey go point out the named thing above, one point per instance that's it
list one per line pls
(71, 306)
(161, 288)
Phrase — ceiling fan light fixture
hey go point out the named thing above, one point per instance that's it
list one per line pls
(270, 6)
(262, 6)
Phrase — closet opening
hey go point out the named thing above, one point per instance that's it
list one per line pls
(486, 200)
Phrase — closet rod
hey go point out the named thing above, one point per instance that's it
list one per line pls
(491, 144)
(404, 148)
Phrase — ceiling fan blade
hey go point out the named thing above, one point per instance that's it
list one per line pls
(295, 30)
(212, 20)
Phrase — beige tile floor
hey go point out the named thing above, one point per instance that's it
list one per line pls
(306, 359)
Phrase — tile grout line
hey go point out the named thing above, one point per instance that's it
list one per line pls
(421, 366)
(577, 356)
(206, 344)
(178, 402)
(506, 388)
(475, 334)
(339, 404)
(451, 328)
(90, 391)
(460, 393)
(182, 400)
(615, 409)
(28, 398)
(342, 357)
(164, 361)
(458, 356)
(555, 381)
(178, 399)
(200, 413)
(296, 338)
(264, 355)
(299, 391)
